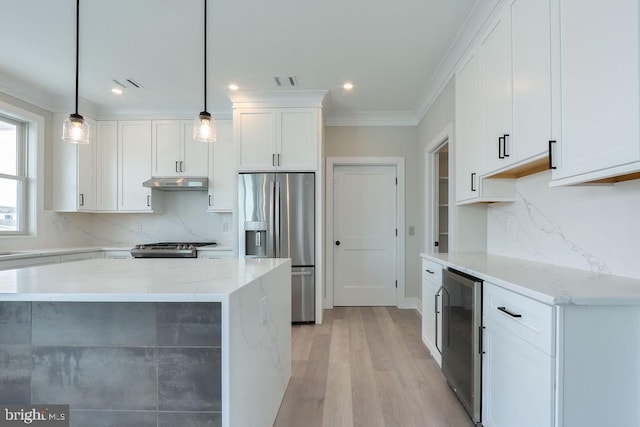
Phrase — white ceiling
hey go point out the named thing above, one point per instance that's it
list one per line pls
(389, 50)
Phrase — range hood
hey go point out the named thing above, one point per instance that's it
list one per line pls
(178, 184)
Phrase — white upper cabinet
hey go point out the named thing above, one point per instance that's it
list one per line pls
(496, 95)
(277, 138)
(516, 89)
(467, 123)
(221, 169)
(531, 82)
(134, 166)
(74, 185)
(470, 187)
(175, 152)
(106, 147)
(599, 49)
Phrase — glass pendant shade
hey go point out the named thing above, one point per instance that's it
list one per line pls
(75, 129)
(204, 128)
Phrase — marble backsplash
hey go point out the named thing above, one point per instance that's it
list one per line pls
(590, 227)
(184, 218)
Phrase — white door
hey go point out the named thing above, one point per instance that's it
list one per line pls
(365, 235)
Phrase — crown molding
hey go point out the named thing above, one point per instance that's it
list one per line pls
(470, 31)
(272, 99)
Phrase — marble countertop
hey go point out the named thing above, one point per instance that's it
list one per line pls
(146, 280)
(546, 283)
(34, 253)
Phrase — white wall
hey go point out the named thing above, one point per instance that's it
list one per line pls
(383, 141)
(591, 227)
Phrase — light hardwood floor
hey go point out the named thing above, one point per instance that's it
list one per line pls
(366, 366)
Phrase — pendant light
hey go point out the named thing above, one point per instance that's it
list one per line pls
(74, 128)
(204, 126)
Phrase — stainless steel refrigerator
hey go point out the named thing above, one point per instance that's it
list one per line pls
(277, 220)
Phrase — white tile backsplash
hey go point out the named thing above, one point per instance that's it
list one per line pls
(590, 227)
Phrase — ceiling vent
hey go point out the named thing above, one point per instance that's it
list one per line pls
(128, 83)
(286, 81)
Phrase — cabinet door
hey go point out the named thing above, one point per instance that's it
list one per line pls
(599, 73)
(467, 119)
(255, 134)
(517, 381)
(194, 154)
(166, 148)
(495, 72)
(298, 139)
(134, 148)
(221, 173)
(107, 166)
(531, 64)
(86, 172)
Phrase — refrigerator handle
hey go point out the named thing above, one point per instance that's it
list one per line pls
(277, 218)
(271, 239)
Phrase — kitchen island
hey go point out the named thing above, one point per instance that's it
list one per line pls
(191, 342)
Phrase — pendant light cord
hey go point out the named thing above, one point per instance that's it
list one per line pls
(205, 55)
(78, 48)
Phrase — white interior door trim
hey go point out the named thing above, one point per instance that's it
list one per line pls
(398, 162)
(430, 203)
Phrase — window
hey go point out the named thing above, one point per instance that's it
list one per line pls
(13, 176)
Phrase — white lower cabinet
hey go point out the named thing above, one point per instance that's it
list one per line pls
(517, 381)
(518, 374)
(432, 308)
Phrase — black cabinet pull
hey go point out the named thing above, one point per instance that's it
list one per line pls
(504, 141)
(551, 166)
(149, 201)
(429, 271)
(480, 340)
(504, 310)
(81, 199)
(337, 242)
(500, 147)
(473, 181)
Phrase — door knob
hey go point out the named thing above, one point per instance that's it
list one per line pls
(337, 242)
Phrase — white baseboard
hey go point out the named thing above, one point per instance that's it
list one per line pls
(411, 303)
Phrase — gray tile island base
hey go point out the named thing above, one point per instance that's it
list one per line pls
(191, 362)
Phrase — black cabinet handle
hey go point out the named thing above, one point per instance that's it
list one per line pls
(81, 199)
(551, 165)
(504, 150)
(473, 181)
(209, 199)
(273, 159)
(480, 340)
(501, 147)
(337, 242)
(148, 200)
(430, 272)
(504, 310)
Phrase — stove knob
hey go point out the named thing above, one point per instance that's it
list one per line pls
(180, 247)
(191, 247)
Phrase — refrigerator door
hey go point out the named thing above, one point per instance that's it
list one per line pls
(296, 210)
(302, 294)
(256, 196)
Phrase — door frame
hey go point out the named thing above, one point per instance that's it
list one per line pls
(430, 203)
(398, 162)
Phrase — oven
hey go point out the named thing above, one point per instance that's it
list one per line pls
(169, 249)
(462, 338)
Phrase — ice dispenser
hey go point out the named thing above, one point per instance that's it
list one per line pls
(255, 238)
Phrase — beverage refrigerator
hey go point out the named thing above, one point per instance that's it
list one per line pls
(277, 220)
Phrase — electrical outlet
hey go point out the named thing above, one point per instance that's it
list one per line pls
(139, 227)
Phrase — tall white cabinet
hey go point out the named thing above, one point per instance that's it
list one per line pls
(599, 67)
(134, 166)
(222, 170)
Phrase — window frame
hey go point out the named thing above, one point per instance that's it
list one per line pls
(24, 208)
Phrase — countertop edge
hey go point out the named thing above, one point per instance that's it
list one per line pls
(559, 297)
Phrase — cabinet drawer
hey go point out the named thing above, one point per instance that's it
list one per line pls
(432, 272)
(530, 320)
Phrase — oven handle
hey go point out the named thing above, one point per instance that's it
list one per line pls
(446, 313)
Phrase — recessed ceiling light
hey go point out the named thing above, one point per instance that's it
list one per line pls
(116, 90)
(234, 86)
(348, 86)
